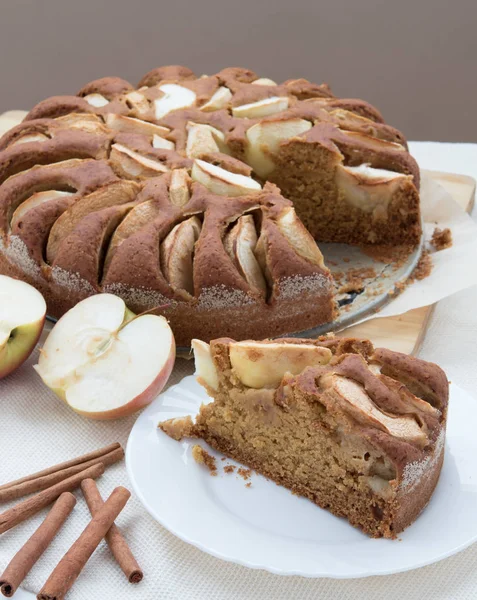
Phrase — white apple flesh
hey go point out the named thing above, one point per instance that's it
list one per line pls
(22, 316)
(104, 361)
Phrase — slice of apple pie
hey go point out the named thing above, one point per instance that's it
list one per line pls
(358, 430)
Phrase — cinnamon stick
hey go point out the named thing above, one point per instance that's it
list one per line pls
(41, 482)
(29, 507)
(114, 538)
(23, 561)
(64, 465)
(70, 566)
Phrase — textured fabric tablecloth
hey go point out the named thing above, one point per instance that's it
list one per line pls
(37, 430)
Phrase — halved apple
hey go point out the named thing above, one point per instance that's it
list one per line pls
(22, 316)
(104, 361)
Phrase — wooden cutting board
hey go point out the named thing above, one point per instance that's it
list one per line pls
(403, 333)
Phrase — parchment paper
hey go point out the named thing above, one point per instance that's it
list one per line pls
(454, 269)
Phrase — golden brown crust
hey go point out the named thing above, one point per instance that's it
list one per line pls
(109, 87)
(173, 73)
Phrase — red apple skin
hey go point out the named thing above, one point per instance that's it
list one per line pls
(141, 401)
(8, 367)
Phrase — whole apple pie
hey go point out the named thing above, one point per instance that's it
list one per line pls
(358, 430)
(201, 197)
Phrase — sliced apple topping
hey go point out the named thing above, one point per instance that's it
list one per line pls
(115, 194)
(179, 193)
(132, 125)
(203, 139)
(299, 237)
(373, 142)
(175, 97)
(138, 103)
(177, 255)
(96, 100)
(264, 139)
(240, 244)
(138, 217)
(160, 142)
(132, 164)
(262, 108)
(34, 201)
(264, 81)
(22, 315)
(103, 361)
(220, 99)
(222, 182)
(261, 252)
(367, 188)
(354, 398)
(205, 369)
(263, 365)
(30, 137)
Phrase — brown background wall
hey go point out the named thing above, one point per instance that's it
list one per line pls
(415, 59)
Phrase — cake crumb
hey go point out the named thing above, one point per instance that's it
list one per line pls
(441, 238)
(395, 255)
(229, 468)
(248, 485)
(202, 457)
(177, 428)
(423, 268)
(355, 279)
(245, 473)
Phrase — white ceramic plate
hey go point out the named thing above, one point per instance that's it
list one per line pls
(266, 527)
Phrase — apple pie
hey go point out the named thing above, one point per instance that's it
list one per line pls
(358, 430)
(202, 197)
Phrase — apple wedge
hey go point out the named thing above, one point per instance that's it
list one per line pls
(104, 361)
(263, 365)
(219, 100)
(262, 108)
(205, 370)
(354, 398)
(22, 316)
(174, 97)
(222, 182)
(264, 81)
(96, 100)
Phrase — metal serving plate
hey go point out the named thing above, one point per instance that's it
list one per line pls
(376, 291)
(372, 293)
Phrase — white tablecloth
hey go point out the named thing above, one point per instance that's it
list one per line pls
(37, 430)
